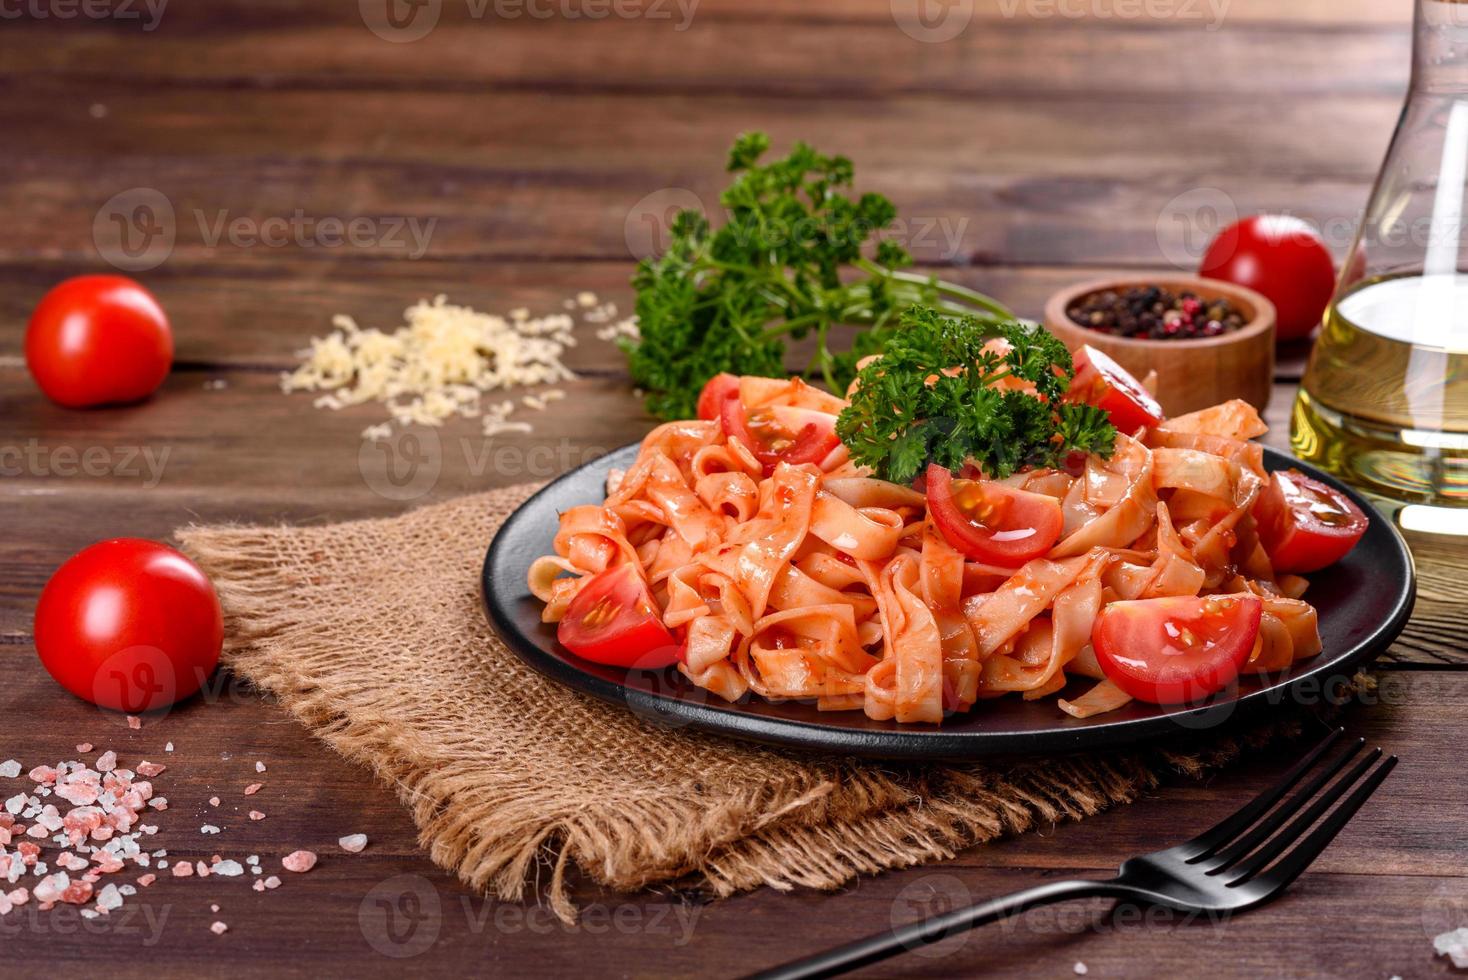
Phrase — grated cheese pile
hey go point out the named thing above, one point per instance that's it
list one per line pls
(438, 365)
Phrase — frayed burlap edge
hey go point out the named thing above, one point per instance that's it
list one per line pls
(782, 820)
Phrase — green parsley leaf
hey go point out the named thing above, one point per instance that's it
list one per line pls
(931, 398)
(790, 262)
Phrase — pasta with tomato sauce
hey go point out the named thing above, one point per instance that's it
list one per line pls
(749, 550)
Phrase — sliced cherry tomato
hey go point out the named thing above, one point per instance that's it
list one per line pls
(780, 434)
(130, 625)
(1102, 382)
(991, 522)
(711, 400)
(1305, 525)
(1176, 650)
(614, 621)
(98, 340)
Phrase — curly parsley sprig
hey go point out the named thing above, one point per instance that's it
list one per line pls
(790, 262)
(932, 398)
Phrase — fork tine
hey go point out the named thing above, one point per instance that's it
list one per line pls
(1255, 862)
(1267, 826)
(1300, 858)
(1229, 828)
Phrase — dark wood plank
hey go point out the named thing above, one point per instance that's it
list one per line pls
(1392, 868)
(709, 51)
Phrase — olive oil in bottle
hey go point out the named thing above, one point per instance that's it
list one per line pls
(1384, 402)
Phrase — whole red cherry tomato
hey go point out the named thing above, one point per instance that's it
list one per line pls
(98, 340)
(130, 625)
(1281, 257)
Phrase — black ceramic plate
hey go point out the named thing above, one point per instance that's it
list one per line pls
(1363, 603)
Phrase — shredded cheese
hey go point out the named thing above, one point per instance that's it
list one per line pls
(436, 366)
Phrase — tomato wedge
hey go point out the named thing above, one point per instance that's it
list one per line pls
(1176, 650)
(991, 522)
(711, 400)
(1102, 382)
(780, 434)
(1305, 525)
(614, 621)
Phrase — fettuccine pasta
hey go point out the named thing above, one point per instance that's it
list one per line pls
(815, 581)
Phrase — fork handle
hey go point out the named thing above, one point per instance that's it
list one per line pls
(883, 945)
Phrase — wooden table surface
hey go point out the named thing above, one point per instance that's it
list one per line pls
(1027, 147)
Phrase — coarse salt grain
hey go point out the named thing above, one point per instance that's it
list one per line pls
(208, 828)
(1453, 945)
(9, 769)
(353, 843)
(134, 722)
(84, 747)
(150, 769)
(299, 861)
(253, 788)
(168, 747)
(259, 767)
(256, 815)
(272, 882)
(219, 928)
(213, 801)
(1080, 969)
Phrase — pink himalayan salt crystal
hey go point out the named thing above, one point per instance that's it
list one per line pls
(253, 788)
(213, 801)
(259, 885)
(299, 861)
(145, 880)
(219, 928)
(84, 747)
(353, 843)
(183, 869)
(134, 722)
(272, 882)
(256, 815)
(150, 769)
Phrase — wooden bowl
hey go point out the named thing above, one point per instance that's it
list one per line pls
(1191, 374)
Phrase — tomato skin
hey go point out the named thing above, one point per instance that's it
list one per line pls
(1281, 257)
(711, 400)
(98, 340)
(1102, 382)
(811, 443)
(129, 624)
(1305, 525)
(614, 621)
(1176, 650)
(1017, 510)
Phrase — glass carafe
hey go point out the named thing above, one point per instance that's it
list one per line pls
(1384, 401)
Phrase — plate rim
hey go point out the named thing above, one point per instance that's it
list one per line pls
(927, 743)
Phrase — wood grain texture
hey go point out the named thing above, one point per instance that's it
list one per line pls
(1031, 151)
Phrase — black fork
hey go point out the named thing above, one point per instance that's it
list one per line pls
(1244, 861)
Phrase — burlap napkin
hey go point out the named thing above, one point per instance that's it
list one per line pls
(373, 635)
